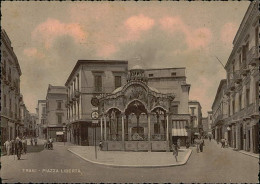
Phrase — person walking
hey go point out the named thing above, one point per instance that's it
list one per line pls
(31, 141)
(175, 151)
(100, 145)
(7, 146)
(12, 146)
(24, 141)
(18, 147)
(202, 143)
(222, 143)
(209, 138)
(35, 141)
(179, 143)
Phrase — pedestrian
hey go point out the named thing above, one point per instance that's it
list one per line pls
(226, 143)
(175, 151)
(18, 147)
(222, 143)
(7, 146)
(35, 141)
(100, 145)
(179, 143)
(31, 141)
(201, 144)
(197, 142)
(12, 146)
(210, 138)
(45, 144)
(24, 141)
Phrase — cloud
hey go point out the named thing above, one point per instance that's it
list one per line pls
(49, 30)
(195, 38)
(135, 25)
(106, 50)
(33, 52)
(228, 33)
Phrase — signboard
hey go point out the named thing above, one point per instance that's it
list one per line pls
(94, 115)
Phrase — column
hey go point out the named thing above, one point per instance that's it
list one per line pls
(149, 127)
(105, 124)
(167, 127)
(110, 128)
(101, 129)
(123, 128)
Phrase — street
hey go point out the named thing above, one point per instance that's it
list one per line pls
(213, 165)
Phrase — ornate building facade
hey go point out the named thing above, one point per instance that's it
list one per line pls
(141, 109)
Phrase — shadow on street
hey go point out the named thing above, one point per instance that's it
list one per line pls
(33, 149)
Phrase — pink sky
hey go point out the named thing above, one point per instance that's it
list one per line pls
(49, 37)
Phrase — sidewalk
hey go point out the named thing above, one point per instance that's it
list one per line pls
(240, 151)
(130, 159)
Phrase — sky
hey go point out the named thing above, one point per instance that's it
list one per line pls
(49, 37)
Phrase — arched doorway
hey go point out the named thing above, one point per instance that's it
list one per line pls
(114, 124)
(134, 112)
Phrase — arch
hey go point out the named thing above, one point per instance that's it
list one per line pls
(113, 108)
(132, 101)
(159, 107)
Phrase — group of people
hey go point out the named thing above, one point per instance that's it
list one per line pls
(48, 144)
(16, 146)
(33, 140)
(224, 143)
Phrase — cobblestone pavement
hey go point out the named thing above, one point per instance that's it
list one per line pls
(213, 165)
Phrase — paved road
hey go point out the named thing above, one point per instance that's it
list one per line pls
(215, 164)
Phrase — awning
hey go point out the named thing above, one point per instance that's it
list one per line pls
(59, 133)
(179, 128)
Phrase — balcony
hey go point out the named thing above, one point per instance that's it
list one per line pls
(237, 77)
(231, 85)
(252, 56)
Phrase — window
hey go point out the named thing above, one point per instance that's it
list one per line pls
(59, 116)
(173, 74)
(257, 91)
(247, 96)
(240, 101)
(192, 110)
(256, 35)
(59, 105)
(118, 81)
(233, 106)
(4, 100)
(43, 110)
(98, 83)
(150, 75)
(175, 109)
(240, 60)
(156, 128)
(10, 104)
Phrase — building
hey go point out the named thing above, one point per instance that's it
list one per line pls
(239, 124)
(220, 112)
(56, 99)
(41, 125)
(89, 79)
(10, 90)
(108, 80)
(210, 122)
(195, 110)
(205, 126)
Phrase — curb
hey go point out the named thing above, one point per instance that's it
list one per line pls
(248, 154)
(136, 166)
